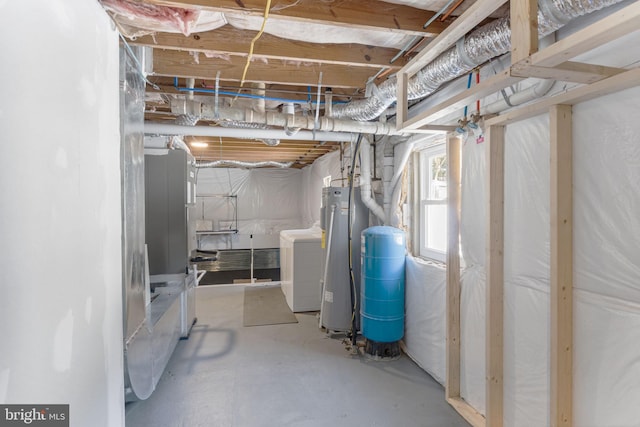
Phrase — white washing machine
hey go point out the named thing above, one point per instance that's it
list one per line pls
(301, 268)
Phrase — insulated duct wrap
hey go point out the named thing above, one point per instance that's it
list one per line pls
(240, 164)
(471, 51)
(249, 125)
(187, 120)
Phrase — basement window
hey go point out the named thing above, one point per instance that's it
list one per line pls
(433, 202)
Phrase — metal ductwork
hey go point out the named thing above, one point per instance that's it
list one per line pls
(240, 164)
(248, 125)
(292, 123)
(471, 51)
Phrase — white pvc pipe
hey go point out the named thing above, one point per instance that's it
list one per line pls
(177, 143)
(169, 129)
(365, 181)
(529, 94)
(191, 82)
(396, 185)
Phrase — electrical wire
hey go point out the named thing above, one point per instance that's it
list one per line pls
(354, 293)
(254, 40)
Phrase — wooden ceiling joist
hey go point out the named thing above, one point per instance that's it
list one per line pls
(182, 64)
(231, 41)
(362, 14)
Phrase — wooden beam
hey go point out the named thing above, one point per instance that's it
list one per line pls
(362, 14)
(457, 102)
(232, 41)
(432, 129)
(467, 411)
(495, 276)
(182, 64)
(475, 14)
(566, 72)
(607, 29)
(454, 176)
(619, 82)
(524, 29)
(561, 295)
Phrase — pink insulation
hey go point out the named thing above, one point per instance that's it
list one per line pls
(152, 17)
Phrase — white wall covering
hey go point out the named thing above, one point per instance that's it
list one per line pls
(472, 302)
(268, 202)
(60, 250)
(425, 326)
(607, 261)
(312, 176)
(526, 273)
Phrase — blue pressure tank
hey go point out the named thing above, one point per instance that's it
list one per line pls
(382, 296)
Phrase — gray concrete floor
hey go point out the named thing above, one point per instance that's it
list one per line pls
(282, 375)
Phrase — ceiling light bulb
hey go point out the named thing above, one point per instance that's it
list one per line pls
(199, 144)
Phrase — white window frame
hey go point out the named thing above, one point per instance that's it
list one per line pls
(424, 183)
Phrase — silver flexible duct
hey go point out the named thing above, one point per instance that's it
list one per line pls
(238, 163)
(474, 49)
(186, 120)
(249, 125)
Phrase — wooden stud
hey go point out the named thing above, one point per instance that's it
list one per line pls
(524, 29)
(495, 276)
(467, 412)
(566, 72)
(452, 382)
(561, 395)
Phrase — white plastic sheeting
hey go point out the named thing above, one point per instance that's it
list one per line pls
(312, 177)
(136, 19)
(607, 261)
(425, 326)
(268, 201)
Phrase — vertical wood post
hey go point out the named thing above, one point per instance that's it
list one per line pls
(454, 173)
(524, 29)
(561, 207)
(495, 276)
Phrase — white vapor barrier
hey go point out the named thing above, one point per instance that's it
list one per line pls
(472, 301)
(526, 273)
(312, 176)
(268, 201)
(60, 218)
(607, 261)
(425, 326)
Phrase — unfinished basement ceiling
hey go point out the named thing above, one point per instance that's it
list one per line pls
(307, 47)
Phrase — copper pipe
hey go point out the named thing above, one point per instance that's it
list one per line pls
(450, 11)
